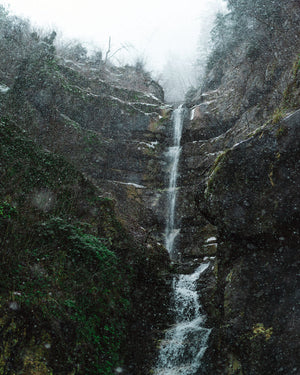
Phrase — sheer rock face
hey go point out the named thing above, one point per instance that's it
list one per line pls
(253, 197)
(239, 181)
(115, 134)
(249, 193)
(253, 188)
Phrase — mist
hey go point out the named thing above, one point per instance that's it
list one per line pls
(171, 39)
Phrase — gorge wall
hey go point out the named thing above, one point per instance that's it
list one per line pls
(85, 276)
(240, 183)
(84, 285)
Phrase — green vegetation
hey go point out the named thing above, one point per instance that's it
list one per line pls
(248, 27)
(296, 66)
(234, 366)
(260, 330)
(291, 96)
(56, 264)
(74, 284)
(278, 115)
(92, 298)
(214, 170)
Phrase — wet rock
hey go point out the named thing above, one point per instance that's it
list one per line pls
(252, 197)
(253, 188)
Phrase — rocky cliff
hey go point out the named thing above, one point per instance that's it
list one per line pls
(84, 276)
(85, 285)
(240, 183)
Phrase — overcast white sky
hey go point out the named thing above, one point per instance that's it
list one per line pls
(156, 29)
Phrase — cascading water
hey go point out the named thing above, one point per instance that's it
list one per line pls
(173, 154)
(185, 342)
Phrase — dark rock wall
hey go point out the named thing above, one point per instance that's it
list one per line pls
(114, 133)
(258, 252)
(239, 182)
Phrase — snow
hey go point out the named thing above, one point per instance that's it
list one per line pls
(152, 96)
(192, 114)
(211, 239)
(143, 103)
(134, 104)
(208, 102)
(150, 145)
(4, 89)
(78, 65)
(14, 306)
(210, 92)
(239, 143)
(289, 115)
(212, 244)
(130, 184)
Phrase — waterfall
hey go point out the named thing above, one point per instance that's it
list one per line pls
(184, 344)
(173, 155)
(183, 347)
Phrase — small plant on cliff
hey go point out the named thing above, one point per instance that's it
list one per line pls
(6, 210)
(278, 115)
(260, 330)
(296, 66)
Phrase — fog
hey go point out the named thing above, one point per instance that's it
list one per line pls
(169, 37)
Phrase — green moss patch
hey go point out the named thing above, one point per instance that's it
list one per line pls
(60, 272)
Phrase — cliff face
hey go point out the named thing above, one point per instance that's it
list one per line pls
(240, 179)
(85, 276)
(252, 197)
(112, 132)
(84, 287)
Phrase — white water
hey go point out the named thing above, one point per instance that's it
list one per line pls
(173, 155)
(185, 343)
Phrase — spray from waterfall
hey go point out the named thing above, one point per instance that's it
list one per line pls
(173, 154)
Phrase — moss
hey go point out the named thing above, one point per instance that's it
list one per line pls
(71, 123)
(134, 193)
(291, 95)
(229, 277)
(162, 120)
(296, 66)
(234, 366)
(260, 130)
(154, 126)
(220, 159)
(278, 115)
(35, 362)
(260, 331)
(59, 264)
(271, 177)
